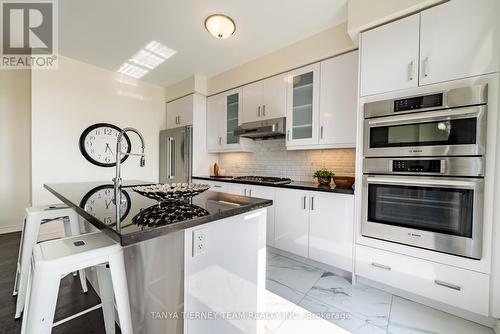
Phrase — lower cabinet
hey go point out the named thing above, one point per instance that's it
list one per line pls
(331, 228)
(465, 289)
(292, 221)
(311, 224)
(316, 225)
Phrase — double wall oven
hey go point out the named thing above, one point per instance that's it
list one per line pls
(424, 170)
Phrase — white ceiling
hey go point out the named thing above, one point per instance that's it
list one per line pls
(107, 33)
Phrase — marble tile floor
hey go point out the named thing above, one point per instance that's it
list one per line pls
(305, 299)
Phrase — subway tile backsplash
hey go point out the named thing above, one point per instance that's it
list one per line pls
(270, 158)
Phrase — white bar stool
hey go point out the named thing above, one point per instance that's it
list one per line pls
(36, 216)
(54, 259)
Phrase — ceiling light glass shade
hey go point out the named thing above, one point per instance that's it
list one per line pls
(220, 26)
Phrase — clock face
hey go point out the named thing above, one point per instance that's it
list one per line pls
(98, 144)
(99, 203)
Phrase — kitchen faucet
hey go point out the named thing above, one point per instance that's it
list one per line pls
(118, 180)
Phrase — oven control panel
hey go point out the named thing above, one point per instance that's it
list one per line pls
(418, 166)
(419, 102)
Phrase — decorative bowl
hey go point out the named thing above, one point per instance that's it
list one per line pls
(171, 192)
(343, 181)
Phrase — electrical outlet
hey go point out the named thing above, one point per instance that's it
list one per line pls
(199, 242)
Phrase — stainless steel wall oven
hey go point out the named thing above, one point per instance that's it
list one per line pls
(424, 170)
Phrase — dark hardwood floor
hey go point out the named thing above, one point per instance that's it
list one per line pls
(70, 300)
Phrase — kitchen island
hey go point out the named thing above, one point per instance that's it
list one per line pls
(191, 266)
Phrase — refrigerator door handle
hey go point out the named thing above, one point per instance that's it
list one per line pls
(171, 157)
(189, 149)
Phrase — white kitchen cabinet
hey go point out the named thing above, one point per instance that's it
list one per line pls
(274, 97)
(215, 124)
(292, 221)
(331, 229)
(338, 101)
(303, 106)
(459, 39)
(266, 193)
(389, 56)
(264, 99)
(180, 112)
(223, 116)
(461, 288)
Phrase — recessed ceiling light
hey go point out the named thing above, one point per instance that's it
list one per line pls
(220, 26)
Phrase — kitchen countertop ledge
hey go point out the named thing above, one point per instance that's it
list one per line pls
(293, 185)
(92, 201)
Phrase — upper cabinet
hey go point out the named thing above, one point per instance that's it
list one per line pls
(389, 57)
(338, 101)
(458, 39)
(223, 116)
(303, 106)
(180, 112)
(264, 99)
(454, 40)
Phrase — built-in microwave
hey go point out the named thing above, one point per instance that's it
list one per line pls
(448, 123)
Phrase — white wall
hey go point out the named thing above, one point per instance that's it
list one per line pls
(68, 100)
(15, 183)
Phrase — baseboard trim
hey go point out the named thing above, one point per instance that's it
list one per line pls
(496, 328)
(10, 228)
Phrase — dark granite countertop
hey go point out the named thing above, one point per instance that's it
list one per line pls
(293, 185)
(142, 218)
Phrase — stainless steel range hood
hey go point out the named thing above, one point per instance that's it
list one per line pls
(270, 128)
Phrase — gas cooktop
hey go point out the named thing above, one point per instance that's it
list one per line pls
(263, 179)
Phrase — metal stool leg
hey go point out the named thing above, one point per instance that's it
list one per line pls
(18, 269)
(120, 289)
(30, 236)
(107, 297)
(42, 302)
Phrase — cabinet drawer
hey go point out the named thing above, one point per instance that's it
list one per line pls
(461, 288)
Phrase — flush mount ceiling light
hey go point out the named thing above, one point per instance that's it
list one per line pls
(220, 26)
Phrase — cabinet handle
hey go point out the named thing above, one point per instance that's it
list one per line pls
(264, 110)
(381, 266)
(448, 285)
(321, 132)
(250, 192)
(220, 140)
(217, 186)
(179, 119)
(305, 199)
(258, 111)
(312, 203)
(410, 71)
(288, 135)
(425, 66)
(244, 192)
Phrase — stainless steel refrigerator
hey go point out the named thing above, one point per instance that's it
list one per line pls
(176, 155)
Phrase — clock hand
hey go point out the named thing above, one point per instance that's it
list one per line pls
(108, 148)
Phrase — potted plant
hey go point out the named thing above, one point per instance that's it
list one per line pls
(324, 176)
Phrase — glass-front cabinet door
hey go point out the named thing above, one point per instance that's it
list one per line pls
(302, 106)
(233, 107)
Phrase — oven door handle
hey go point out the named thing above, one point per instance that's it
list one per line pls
(421, 181)
(444, 115)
